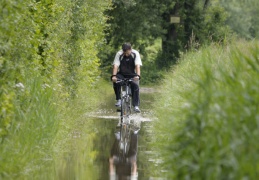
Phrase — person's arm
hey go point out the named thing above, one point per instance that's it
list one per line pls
(137, 70)
(138, 64)
(115, 69)
(116, 64)
(114, 72)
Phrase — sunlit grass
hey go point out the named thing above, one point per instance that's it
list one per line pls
(208, 114)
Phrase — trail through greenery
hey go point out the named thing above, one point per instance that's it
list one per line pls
(51, 52)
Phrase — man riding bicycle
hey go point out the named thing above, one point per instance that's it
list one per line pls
(127, 64)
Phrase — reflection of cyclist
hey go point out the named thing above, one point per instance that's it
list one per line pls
(127, 64)
(120, 169)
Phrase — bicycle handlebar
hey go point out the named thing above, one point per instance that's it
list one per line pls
(124, 80)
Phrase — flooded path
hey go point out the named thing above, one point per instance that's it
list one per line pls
(91, 147)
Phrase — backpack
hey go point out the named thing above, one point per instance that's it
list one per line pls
(132, 54)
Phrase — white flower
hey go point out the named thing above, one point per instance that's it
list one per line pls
(45, 86)
(20, 85)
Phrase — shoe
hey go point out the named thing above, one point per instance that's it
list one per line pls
(119, 124)
(135, 131)
(136, 109)
(118, 103)
(117, 135)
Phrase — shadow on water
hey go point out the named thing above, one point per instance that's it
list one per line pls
(92, 154)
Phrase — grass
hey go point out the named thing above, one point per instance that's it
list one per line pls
(208, 123)
(31, 134)
(41, 140)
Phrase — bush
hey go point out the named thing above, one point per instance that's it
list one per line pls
(208, 114)
(48, 51)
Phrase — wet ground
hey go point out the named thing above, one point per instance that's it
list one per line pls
(91, 148)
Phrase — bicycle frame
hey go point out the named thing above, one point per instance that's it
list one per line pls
(126, 103)
(125, 130)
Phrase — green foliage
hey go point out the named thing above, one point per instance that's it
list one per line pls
(201, 23)
(58, 42)
(48, 52)
(208, 114)
(243, 17)
(30, 138)
(150, 71)
(142, 22)
(136, 21)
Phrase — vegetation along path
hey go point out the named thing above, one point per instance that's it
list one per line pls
(57, 116)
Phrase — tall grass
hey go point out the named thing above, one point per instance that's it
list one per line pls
(208, 125)
(27, 146)
(41, 142)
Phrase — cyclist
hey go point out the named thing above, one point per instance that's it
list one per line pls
(127, 64)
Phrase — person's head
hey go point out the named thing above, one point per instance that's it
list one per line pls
(126, 48)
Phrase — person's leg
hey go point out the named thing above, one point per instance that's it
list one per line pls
(117, 89)
(135, 93)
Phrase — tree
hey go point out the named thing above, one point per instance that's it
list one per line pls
(243, 17)
(140, 22)
(201, 22)
(135, 21)
(51, 42)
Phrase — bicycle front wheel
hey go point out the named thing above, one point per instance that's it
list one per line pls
(124, 139)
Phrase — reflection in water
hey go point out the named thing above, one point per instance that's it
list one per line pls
(88, 150)
(121, 168)
(93, 154)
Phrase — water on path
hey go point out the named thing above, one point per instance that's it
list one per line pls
(92, 147)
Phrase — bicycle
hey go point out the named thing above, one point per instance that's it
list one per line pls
(125, 112)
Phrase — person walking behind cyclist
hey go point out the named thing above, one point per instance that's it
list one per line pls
(127, 64)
